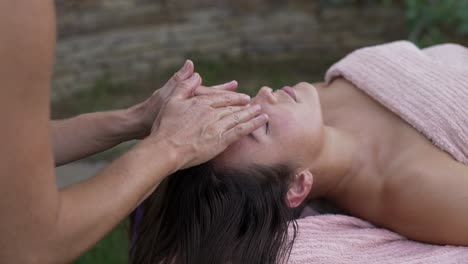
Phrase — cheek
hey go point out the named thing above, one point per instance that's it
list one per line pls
(303, 139)
(292, 135)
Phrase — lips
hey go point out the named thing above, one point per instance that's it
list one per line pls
(290, 91)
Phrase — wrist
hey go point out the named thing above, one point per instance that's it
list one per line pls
(164, 151)
(134, 123)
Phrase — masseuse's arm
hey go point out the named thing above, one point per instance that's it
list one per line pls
(430, 203)
(84, 135)
(87, 134)
(41, 224)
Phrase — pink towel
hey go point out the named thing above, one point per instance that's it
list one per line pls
(429, 89)
(336, 239)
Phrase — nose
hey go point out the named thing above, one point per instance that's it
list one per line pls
(265, 94)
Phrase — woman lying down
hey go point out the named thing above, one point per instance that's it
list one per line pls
(385, 139)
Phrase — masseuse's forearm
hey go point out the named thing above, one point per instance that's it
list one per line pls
(92, 208)
(87, 134)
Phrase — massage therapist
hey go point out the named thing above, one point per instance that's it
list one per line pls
(181, 125)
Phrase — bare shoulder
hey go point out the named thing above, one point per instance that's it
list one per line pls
(426, 164)
(426, 197)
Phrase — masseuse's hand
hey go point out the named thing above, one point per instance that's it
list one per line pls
(147, 111)
(200, 127)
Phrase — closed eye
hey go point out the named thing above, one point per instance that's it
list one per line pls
(267, 129)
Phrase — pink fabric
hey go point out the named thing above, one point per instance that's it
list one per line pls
(336, 239)
(429, 89)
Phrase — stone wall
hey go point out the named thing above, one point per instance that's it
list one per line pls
(128, 39)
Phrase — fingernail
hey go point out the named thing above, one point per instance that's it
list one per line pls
(186, 65)
(194, 77)
(257, 108)
(264, 117)
(247, 98)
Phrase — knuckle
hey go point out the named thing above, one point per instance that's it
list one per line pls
(184, 85)
(239, 129)
(237, 118)
(177, 77)
(227, 99)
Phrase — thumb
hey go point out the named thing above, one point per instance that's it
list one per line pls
(185, 89)
(226, 87)
(181, 75)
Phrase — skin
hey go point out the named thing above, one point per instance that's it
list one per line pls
(349, 149)
(41, 224)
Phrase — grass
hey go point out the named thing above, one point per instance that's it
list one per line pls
(107, 95)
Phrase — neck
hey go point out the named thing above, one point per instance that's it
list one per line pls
(337, 162)
(340, 155)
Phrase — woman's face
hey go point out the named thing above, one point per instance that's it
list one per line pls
(292, 136)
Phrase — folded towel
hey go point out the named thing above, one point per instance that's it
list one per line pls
(427, 88)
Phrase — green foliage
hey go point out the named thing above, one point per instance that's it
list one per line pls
(336, 2)
(356, 2)
(112, 249)
(97, 98)
(431, 20)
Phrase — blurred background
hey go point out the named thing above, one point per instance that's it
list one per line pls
(115, 53)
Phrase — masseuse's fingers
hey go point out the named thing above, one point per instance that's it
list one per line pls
(226, 99)
(194, 129)
(243, 129)
(203, 90)
(225, 111)
(230, 86)
(146, 112)
(239, 117)
(186, 88)
(181, 75)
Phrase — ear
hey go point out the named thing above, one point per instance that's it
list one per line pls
(300, 188)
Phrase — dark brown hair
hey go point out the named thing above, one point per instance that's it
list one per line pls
(204, 215)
